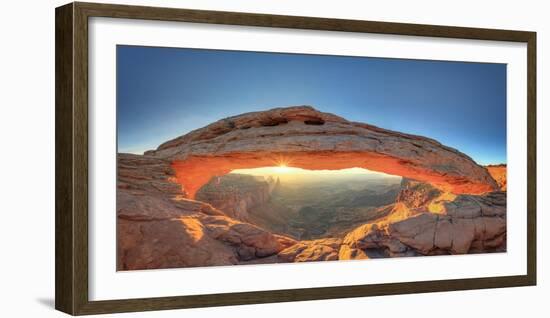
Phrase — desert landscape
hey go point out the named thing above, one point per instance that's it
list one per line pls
(294, 184)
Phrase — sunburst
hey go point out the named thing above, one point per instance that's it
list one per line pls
(282, 162)
(282, 169)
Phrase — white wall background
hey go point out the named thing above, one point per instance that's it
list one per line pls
(27, 157)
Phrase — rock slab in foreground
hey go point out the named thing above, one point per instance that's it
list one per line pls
(159, 228)
(426, 221)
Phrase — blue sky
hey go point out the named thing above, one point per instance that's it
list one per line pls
(163, 93)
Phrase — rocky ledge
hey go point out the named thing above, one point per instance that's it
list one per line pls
(159, 228)
(429, 222)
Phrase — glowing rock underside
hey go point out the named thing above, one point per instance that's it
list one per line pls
(303, 137)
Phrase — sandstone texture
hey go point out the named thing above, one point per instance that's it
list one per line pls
(159, 228)
(429, 222)
(498, 172)
(306, 138)
(310, 251)
(236, 194)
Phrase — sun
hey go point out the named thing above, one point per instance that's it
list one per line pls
(282, 169)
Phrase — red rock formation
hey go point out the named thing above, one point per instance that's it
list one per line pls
(498, 172)
(306, 138)
(158, 228)
(453, 208)
(427, 222)
(311, 251)
(236, 194)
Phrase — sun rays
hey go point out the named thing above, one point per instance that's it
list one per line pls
(282, 169)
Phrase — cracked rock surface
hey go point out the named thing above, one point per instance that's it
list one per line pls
(157, 227)
(467, 224)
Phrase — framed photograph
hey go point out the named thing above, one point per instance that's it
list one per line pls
(210, 158)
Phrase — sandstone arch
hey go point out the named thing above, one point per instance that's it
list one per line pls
(304, 137)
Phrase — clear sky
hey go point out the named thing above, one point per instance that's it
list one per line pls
(163, 93)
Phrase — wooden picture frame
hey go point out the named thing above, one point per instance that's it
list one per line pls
(71, 90)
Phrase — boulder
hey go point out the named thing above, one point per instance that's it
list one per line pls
(314, 250)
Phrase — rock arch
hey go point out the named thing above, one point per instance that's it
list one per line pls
(304, 137)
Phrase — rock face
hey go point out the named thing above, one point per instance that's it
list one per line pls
(306, 138)
(237, 194)
(428, 222)
(498, 172)
(159, 228)
(311, 251)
